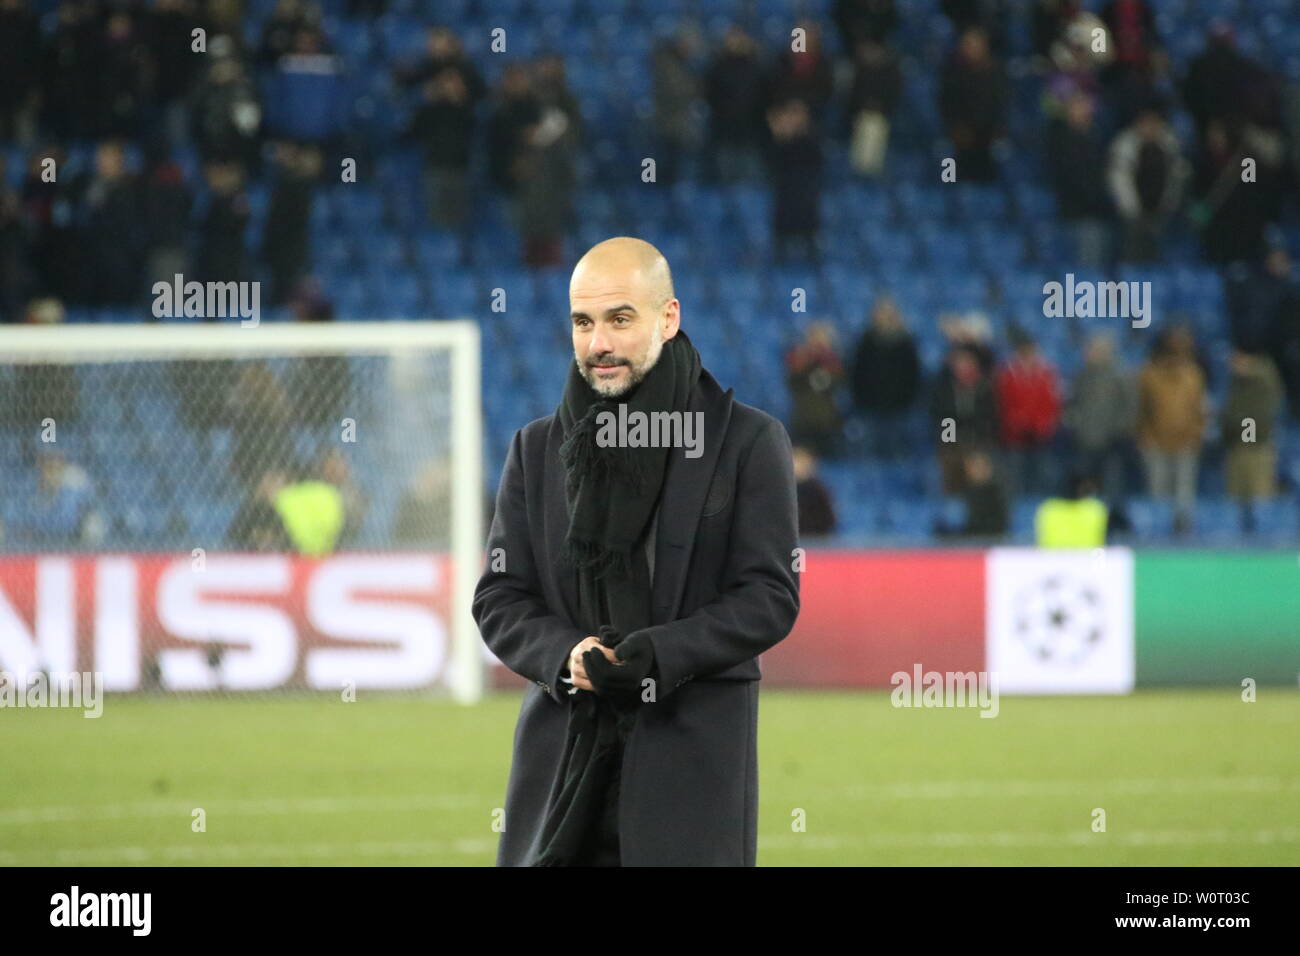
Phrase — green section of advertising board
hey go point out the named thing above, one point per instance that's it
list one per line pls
(1217, 617)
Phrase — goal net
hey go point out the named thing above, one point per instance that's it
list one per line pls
(228, 508)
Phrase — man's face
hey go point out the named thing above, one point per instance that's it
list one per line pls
(51, 471)
(1150, 126)
(108, 161)
(1100, 351)
(618, 333)
(885, 316)
(441, 44)
(974, 46)
(1278, 264)
(1078, 112)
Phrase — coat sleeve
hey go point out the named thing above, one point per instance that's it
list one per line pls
(760, 596)
(509, 607)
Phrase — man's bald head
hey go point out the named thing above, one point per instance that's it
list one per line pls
(626, 259)
(623, 309)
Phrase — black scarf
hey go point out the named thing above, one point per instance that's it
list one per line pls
(612, 493)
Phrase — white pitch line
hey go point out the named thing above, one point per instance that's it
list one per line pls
(199, 853)
(19, 816)
(947, 790)
(1099, 841)
(955, 789)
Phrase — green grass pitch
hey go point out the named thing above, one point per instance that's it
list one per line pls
(1184, 778)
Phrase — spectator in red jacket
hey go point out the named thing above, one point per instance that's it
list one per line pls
(1029, 412)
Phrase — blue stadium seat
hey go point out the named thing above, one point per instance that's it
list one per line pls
(384, 252)
(397, 295)
(864, 204)
(1218, 520)
(457, 294)
(1277, 521)
(1033, 203)
(1023, 512)
(946, 250)
(997, 247)
(893, 252)
(1152, 519)
(349, 294)
(911, 518)
(359, 208)
(921, 204)
(850, 290)
(981, 204)
(855, 519)
(960, 292)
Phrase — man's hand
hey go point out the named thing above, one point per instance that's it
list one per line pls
(619, 675)
(577, 670)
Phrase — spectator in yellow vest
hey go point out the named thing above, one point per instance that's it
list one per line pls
(1078, 521)
(313, 513)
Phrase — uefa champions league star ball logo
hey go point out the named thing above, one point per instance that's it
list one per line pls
(1059, 620)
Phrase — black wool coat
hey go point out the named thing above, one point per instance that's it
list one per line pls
(724, 591)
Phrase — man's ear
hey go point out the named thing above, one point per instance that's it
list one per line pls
(672, 318)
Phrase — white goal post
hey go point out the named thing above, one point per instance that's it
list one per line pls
(417, 382)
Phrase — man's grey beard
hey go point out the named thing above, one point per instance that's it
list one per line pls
(638, 374)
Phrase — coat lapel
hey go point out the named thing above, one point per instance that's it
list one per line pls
(686, 486)
(556, 521)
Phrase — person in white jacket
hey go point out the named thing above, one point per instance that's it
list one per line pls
(1147, 174)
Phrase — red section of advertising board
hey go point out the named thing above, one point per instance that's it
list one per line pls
(110, 612)
(867, 614)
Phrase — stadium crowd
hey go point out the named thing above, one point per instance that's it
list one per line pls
(156, 139)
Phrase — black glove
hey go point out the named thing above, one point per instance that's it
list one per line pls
(621, 681)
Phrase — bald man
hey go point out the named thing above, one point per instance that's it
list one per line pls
(640, 570)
